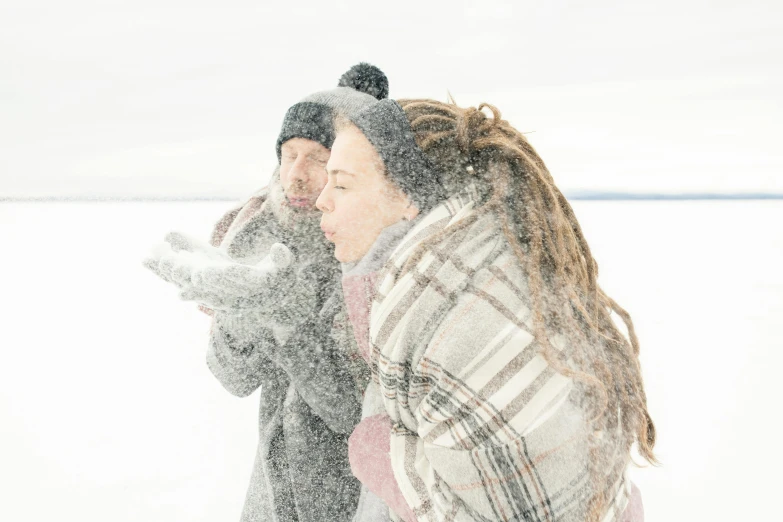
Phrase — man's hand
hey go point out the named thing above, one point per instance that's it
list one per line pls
(180, 242)
(208, 276)
(175, 260)
(169, 265)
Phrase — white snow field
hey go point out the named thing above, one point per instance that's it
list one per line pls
(109, 414)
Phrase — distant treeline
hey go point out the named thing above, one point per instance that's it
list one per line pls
(645, 196)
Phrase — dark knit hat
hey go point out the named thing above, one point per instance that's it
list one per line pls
(313, 117)
(386, 127)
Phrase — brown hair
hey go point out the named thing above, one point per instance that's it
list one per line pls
(466, 145)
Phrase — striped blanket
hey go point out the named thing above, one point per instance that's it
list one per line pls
(483, 427)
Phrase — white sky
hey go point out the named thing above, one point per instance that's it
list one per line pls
(185, 98)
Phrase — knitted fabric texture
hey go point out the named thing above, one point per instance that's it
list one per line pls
(386, 127)
(313, 117)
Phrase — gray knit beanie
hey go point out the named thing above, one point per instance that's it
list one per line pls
(313, 117)
(388, 130)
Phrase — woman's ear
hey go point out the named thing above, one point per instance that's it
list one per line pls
(402, 202)
(411, 211)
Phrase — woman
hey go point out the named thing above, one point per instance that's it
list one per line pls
(507, 391)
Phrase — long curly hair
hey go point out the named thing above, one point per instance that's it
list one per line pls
(467, 145)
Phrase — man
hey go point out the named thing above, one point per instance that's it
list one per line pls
(282, 330)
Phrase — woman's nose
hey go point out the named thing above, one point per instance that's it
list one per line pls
(323, 203)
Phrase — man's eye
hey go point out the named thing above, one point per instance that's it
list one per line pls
(338, 187)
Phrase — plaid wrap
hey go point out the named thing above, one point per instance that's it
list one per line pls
(483, 427)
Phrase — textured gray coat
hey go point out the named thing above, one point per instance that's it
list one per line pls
(308, 370)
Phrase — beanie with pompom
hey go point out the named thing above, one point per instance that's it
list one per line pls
(313, 117)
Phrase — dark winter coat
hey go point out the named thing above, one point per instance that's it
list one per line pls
(310, 375)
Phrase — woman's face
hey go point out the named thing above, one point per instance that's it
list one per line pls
(358, 201)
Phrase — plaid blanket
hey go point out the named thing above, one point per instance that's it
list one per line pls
(483, 427)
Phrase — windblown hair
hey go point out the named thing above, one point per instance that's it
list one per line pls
(467, 145)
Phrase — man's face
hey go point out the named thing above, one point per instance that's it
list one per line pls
(303, 172)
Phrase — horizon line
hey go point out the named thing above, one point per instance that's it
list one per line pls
(576, 195)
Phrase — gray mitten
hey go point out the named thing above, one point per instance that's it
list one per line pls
(194, 265)
(269, 289)
(244, 330)
(241, 288)
(182, 242)
(179, 257)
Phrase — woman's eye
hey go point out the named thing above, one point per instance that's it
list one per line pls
(338, 187)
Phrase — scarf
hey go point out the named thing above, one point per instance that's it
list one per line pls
(482, 427)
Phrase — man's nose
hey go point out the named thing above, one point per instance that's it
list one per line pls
(298, 170)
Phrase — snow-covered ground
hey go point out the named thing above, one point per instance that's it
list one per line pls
(108, 412)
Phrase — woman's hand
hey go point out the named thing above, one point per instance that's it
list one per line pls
(368, 453)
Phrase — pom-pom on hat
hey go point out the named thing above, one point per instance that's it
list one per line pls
(366, 78)
(313, 117)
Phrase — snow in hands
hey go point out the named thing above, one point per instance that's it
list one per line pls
(208, 276)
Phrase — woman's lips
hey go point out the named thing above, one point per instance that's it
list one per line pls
(328, 233)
